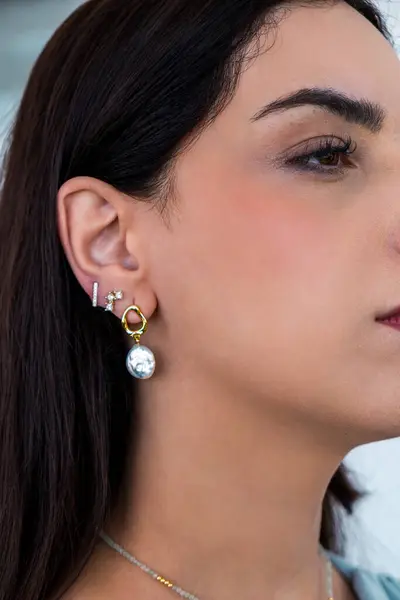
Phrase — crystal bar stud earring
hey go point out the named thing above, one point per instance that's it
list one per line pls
(111, 298)
(140, 361)
(95, 293)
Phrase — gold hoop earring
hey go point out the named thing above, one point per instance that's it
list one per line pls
(140, 361)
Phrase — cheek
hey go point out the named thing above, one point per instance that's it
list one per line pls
(249, 243)
(247, 257)
(241, 232)
(251, 274)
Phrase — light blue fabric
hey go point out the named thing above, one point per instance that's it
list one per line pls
(367, 585)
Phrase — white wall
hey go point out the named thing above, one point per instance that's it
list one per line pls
(391, 8)
(374, 533)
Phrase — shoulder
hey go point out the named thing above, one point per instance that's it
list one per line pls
(367, 585)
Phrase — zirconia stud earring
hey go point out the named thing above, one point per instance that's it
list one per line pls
(111, 298)
(140, 361)
(95, 293)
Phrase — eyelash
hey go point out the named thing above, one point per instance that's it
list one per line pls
(329, 146)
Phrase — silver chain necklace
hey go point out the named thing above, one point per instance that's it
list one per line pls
(178, 590)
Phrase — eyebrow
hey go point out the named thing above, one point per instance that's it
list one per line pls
(356, 111)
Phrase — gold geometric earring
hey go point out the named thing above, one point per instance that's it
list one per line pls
(140, 361)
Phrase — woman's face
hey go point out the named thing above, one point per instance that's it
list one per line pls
(284, 245)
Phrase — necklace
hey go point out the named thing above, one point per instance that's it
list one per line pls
(178, 590)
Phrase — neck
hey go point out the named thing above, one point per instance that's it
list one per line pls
(225, 500)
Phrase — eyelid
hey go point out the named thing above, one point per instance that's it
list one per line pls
(310, 146)
(304, 157)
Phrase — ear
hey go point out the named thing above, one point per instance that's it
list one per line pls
(94, 222)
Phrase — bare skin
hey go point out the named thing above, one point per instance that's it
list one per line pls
(107, 569)
(261, 295)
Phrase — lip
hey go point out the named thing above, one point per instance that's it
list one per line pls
(391, 314)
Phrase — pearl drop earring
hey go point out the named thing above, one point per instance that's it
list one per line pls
(140, 361)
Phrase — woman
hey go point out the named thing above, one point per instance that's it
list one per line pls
(200, 261)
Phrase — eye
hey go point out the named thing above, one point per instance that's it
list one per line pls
(332, 158)
(331, 155)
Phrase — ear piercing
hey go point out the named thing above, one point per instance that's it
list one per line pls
(140, 361)
(111, 298)
(95, 293)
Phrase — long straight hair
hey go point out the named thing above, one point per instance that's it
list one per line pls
(117, 92)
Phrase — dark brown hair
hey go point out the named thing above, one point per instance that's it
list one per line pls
(117, 92)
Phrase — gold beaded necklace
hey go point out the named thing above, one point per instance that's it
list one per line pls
(176, 588)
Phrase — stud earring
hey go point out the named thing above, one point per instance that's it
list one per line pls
(111, 298)
(95, 293)
(140, 361)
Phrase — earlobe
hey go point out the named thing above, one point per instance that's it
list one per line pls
(116, 302)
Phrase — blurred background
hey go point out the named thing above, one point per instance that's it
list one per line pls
(374, 532)
(25, 26)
